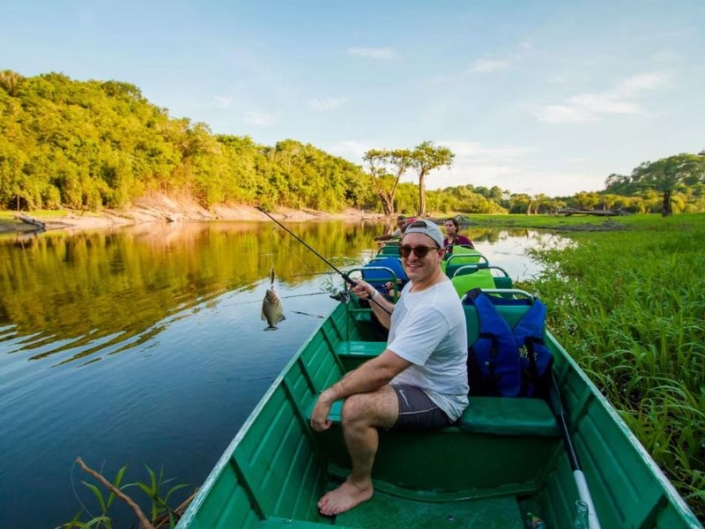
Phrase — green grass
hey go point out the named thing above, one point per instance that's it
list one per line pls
(630, 307)
(38, 214)
(552, 222)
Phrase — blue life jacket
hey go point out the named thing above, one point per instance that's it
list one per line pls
(504, 361)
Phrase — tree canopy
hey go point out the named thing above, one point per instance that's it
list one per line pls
(425, 158)
(93, 144)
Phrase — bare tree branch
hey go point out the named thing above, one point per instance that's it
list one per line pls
(124, 497)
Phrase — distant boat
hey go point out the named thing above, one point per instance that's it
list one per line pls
(506, 462)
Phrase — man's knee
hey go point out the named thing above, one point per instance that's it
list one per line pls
(374, 409)
(355, 408)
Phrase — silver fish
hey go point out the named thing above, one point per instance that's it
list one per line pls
(272, 308)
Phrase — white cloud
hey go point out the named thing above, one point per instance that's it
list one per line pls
(482, 165)
(259, 118)
(516, 178)
(563, 114)
(489, 65)
(353, 150)
(506, 167)
(644, 81)
(373, 53)
(223, 101)
(328, 103)
(603, 103)
(468, 150)
(591, 107)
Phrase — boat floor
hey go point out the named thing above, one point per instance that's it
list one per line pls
(385, 511)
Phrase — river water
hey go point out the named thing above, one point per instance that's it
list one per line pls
(144, 346)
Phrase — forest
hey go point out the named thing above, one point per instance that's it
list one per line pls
(90, 145)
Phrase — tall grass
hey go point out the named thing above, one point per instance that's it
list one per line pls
(630, 307)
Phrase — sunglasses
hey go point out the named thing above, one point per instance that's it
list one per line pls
(419, 251)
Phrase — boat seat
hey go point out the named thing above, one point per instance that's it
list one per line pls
(480, 279)
(360, 348)
(505, 416)
(493, 416)
(389, 249)
(382, 270)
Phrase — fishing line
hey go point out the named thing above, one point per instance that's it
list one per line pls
(345, 276)
(283, 297)
(308, 314)
(281, 238)
(73, 486)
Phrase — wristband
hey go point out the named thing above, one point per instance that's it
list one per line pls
(374, 295)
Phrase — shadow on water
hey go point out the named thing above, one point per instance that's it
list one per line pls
(145, 345)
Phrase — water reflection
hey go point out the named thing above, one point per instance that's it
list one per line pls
(76, 296)
(103, 291)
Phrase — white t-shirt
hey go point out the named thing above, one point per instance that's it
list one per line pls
(428, 329)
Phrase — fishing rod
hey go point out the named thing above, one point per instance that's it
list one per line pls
(578, 475)
(345, 276)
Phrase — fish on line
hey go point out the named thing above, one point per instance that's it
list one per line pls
(272, 308)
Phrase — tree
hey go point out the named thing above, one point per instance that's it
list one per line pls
(585, 200)
(10, 81)
(668, 174)
(425, 158)
(399, 161)
(618, 184)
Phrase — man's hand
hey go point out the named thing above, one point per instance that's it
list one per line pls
(319, 417)
(363, 290)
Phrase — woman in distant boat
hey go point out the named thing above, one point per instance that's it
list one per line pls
(453, 238)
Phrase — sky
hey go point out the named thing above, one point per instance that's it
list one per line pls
(536, 96)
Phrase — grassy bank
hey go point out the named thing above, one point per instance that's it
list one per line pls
(629, 305)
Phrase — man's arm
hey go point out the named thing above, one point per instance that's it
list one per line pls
(369, 377)
(394, 235)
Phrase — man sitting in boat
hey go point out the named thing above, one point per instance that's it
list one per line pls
(402, 223)
(453, 238)
(420, 380)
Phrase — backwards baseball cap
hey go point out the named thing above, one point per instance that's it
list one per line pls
(427, 228)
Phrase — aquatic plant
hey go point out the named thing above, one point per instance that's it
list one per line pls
(630, 307)
(161, 513)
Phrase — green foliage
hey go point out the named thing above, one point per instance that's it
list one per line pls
(158, 498)
(425, 158)
(153, 490)
(674, 179)
(386, 169)
(91, 145)
(628, 305)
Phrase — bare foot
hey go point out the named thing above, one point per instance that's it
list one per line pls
(344, 498)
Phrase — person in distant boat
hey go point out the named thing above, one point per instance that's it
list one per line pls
(453, 238)
(402, 223)
(419, 382)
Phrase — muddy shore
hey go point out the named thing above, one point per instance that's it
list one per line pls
(165, 210)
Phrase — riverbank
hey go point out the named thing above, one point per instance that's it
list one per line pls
(163, 209)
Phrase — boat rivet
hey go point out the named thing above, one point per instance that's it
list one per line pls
(450, 518)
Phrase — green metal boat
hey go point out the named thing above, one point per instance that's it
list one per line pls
(505, 465)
